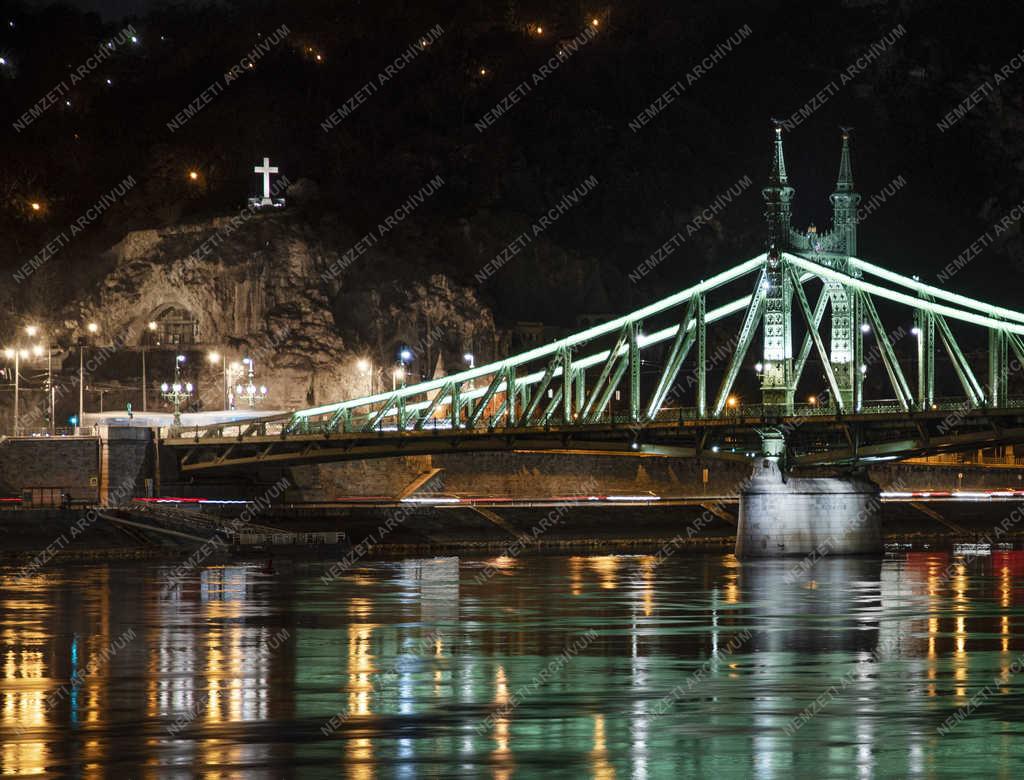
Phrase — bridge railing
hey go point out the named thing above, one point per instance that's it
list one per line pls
(283, 425)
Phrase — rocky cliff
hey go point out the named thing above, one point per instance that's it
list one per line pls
(261, 286)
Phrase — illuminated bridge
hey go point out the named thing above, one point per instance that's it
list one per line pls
(853, 364)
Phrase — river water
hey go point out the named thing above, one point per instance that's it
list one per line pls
(602, 666)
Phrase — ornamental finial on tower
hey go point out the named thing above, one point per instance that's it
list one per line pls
(845, 181)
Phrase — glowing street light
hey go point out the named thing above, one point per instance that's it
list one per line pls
(865, 328)
(366, 367)
(15, 354)
(732, 402)
(36, 205)
(151, 327)
(595, 22)
(92, 329)
(215, 358)
(813, 400)
(193, 175)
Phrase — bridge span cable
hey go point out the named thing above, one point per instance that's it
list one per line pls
(908, 300)
(935, 292)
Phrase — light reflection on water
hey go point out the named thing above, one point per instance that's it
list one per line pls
(426, 668)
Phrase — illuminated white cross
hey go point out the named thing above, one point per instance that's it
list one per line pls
(266, 169)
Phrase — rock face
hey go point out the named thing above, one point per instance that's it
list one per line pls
(261, 287)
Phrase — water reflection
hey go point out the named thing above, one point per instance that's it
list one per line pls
(690, 666)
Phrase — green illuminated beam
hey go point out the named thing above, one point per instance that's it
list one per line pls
(907, 300)
(429, 411)
(549, 374)
(673, 362)
(805, 349)
(606, 394)
(812, 332)
(747, 331)
(606, 371)
(892, 365)
(937, 292)
(960, 364)
(556, 398)
(1018, 347)
(498, 381)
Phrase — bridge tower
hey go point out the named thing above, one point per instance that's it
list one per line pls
(781, 514)
(847, 339)
(777, 380)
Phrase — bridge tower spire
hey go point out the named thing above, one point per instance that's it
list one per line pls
(845, 200)
(847, 338)
(777, 380)
(778, 197)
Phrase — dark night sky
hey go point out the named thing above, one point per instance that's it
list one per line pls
(108, 9)
(574, 124)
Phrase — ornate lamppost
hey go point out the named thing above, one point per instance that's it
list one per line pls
(177, 392)
(16, 353)
(250, 392)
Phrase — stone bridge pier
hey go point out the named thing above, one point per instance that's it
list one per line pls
(784, 516)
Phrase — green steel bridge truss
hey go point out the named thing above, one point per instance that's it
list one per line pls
(597, 390)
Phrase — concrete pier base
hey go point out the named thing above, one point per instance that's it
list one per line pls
(804, 515)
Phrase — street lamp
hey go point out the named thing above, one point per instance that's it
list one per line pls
(151, 327)
(93, 329)
(404, 358)
(17, 354)
(177, 392)
(366, 367)
(250, 392)
(234, 368)
(37, 350)
(215, 358)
